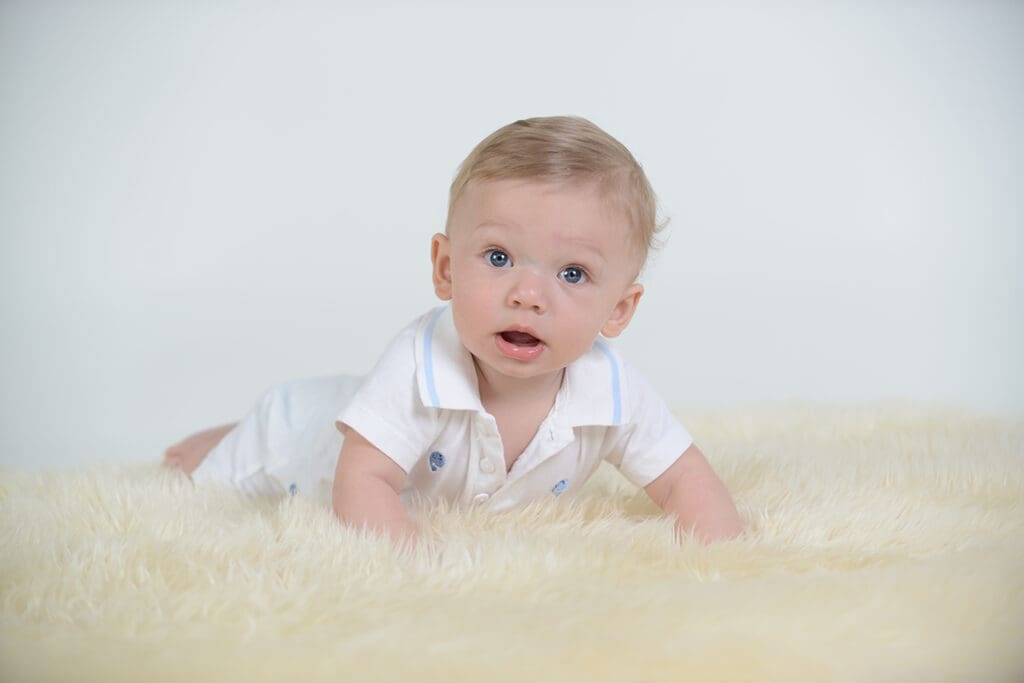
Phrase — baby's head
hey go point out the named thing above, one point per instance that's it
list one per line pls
(566, 150)
(549, 223)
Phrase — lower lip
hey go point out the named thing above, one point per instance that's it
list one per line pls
(518, 352)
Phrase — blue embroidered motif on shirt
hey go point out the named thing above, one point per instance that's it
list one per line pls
(293, 489)
(559, 487)
(436, 461)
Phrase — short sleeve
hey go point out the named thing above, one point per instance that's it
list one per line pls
(652, 439)
(387, 410)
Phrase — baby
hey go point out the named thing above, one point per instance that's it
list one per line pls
(508, 393)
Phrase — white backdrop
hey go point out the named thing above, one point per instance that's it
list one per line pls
(198, 200)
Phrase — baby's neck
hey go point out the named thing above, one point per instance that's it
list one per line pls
(518, 406)
(496, 389)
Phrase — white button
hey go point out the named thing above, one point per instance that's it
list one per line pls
(487, 465)
(481, 497)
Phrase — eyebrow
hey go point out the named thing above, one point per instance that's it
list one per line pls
(574, 244)
(586, 246)
(494, 224)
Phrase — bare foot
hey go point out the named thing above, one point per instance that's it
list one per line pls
(192, 450)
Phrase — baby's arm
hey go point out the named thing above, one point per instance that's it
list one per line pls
(366, 488)
(693, 493)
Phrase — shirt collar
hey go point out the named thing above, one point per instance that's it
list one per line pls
(593, 391)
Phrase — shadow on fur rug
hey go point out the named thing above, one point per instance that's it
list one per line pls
(884, 543)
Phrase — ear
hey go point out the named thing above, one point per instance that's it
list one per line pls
(441, 257)
(623, 311)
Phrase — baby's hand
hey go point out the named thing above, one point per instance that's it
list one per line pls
(366, 488)
(692, 492)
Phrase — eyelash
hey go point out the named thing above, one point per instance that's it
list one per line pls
(584, 277)
(489, 254)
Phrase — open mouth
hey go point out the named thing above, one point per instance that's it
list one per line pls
(521, 346)
(520, 338)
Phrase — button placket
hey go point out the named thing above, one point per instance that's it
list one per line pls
(482, 451)
(489, 446)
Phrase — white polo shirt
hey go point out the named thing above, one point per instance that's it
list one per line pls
(421, 406)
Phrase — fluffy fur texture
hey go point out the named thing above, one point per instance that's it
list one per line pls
(884, 543)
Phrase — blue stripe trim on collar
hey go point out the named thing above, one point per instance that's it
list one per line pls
(428, 357)
(616, 387)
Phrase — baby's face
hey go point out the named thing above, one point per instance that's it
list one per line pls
(535, 271)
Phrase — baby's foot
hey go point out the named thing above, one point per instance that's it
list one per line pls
(188, 453)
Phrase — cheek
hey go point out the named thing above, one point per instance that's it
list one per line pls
(588, 315)
(466, 272)
(572, 319)
(473, 293)
(468, 281)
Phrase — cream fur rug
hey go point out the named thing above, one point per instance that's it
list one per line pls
(885, 543)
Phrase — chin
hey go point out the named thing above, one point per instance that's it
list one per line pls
(516, 369)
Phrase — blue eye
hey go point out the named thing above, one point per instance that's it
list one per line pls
(498, 258)
(573, 275)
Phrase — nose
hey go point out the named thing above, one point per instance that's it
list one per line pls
(528, 292)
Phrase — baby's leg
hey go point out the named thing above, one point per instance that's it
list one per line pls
(188, 453)
(287, 444)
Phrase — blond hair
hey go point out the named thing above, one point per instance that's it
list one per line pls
(565, 149)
